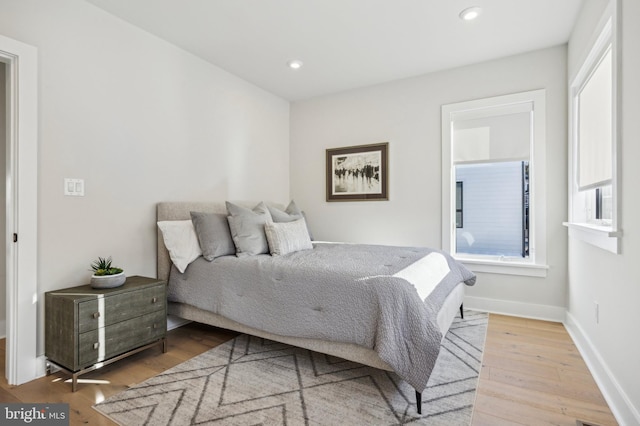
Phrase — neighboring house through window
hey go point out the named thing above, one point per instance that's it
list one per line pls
(497, 221)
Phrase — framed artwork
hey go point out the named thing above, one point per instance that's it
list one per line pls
(358, 173)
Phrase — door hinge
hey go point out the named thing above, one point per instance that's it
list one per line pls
(15, 237)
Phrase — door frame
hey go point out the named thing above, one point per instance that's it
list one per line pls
(21, 208)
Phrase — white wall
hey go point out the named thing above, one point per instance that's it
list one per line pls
(612, 346)
(141, 121)
(406, 113)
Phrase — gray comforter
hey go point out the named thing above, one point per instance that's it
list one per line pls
(336, 292)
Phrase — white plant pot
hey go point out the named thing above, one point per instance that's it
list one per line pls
(108, 281)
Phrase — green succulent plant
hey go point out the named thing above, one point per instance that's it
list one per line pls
(102, 266)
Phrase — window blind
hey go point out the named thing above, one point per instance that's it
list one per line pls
(492, 134)
(594, 127)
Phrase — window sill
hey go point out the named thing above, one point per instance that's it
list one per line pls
(506, 267)
(600, 236)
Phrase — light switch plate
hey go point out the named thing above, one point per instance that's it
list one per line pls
(74, 187)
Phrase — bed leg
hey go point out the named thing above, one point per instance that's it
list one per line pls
(461, 312)
(419, 402)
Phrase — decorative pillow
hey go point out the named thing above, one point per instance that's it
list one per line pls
(291, 213)
(213, 234)
(182, 242)
(247, 228)
(287, 237)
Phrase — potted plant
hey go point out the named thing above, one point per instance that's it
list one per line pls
(105, 275)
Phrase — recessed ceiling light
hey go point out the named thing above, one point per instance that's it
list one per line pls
(294, 64)
(470, 13)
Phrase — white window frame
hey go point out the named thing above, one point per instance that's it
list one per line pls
(605, 236)
(536, 264)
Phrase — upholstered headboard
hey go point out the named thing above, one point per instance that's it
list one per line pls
(181, 210)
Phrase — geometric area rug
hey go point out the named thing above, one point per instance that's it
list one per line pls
(249, 381)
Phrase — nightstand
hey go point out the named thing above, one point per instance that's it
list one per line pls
(87, 328)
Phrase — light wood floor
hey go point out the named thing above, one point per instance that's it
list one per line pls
(532, 374)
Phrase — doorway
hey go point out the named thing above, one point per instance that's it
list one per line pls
(3, 196)
(19, 63)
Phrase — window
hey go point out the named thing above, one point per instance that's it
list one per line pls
(593, 130)
(494, 149)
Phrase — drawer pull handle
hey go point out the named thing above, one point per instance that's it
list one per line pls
(155, 325)
(96, 345)
(154, 300)
(96, 315)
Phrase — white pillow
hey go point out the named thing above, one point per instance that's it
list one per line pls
(287, 237)
(182, 242)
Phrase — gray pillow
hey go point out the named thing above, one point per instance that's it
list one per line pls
(288, 237)
(291, 213)
(247, 228)
(213, 234)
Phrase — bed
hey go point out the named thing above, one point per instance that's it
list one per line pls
(372, 323)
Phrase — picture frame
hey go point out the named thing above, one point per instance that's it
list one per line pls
(358, 173)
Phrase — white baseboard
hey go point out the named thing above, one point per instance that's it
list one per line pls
(41, 366)
(619, 403)
(516, 309)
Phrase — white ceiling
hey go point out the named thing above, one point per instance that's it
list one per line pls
(345, 44)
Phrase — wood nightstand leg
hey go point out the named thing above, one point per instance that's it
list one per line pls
(164, 345)
(74, 382)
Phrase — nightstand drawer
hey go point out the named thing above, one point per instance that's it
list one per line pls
(110, 309)
(104, 343)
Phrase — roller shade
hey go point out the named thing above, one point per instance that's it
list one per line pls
(595, 127)
(492, 134)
